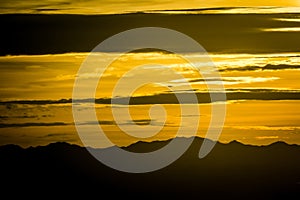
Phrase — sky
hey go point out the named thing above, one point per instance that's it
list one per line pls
(272, 81)
(257, 56)
(121, 6)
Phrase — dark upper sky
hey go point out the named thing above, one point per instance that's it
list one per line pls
(227, 33)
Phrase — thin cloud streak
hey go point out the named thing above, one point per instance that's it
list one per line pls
(283, 29)
(259, 68)
(31, 124)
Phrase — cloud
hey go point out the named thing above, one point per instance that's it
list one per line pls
(4, 117)
(30, 124)
(145, 122)
(267, 128)
(31, 5)
(220, 81)
(100, 122)
(267, 137)
(205, 97)
(121, 6)
(140, 122)
(259, 68)
(280, 67)
(231, 10)
(23, 116)
(59, 135)
(11, 104)
(19, 116)
(170, 98)
(282, 29)
(288, 19)
(79, 6)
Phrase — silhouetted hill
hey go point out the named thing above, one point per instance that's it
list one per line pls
(231, 170)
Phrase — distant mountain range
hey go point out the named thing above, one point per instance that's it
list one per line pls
(231, 170)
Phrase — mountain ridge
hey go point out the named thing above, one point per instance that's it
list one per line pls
(230, 170)
(148, 143)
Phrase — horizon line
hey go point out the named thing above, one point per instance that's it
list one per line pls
(154, 141)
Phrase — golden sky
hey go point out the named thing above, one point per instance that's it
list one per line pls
(259, 56)
(256, 122)
(120, 6)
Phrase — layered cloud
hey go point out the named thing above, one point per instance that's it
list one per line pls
(115, 6)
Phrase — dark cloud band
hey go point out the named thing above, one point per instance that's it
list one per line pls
(221, 33)
(170, 98)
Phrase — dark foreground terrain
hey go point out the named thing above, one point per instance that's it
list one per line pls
(230, 171)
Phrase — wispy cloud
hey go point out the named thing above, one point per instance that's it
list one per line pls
(260, 68)
(232, 10)
(282, 29)
(140, 122)
(267, 128)
(19, 116)
(288, 19)
(30, 124)
(267, 137)
(222, 81)
(56, 135)
(101, 122)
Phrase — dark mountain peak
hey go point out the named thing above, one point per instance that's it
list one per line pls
(197, 141)
(10, 147)
(232, 170)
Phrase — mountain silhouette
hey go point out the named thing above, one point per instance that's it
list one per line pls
(230, 171)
